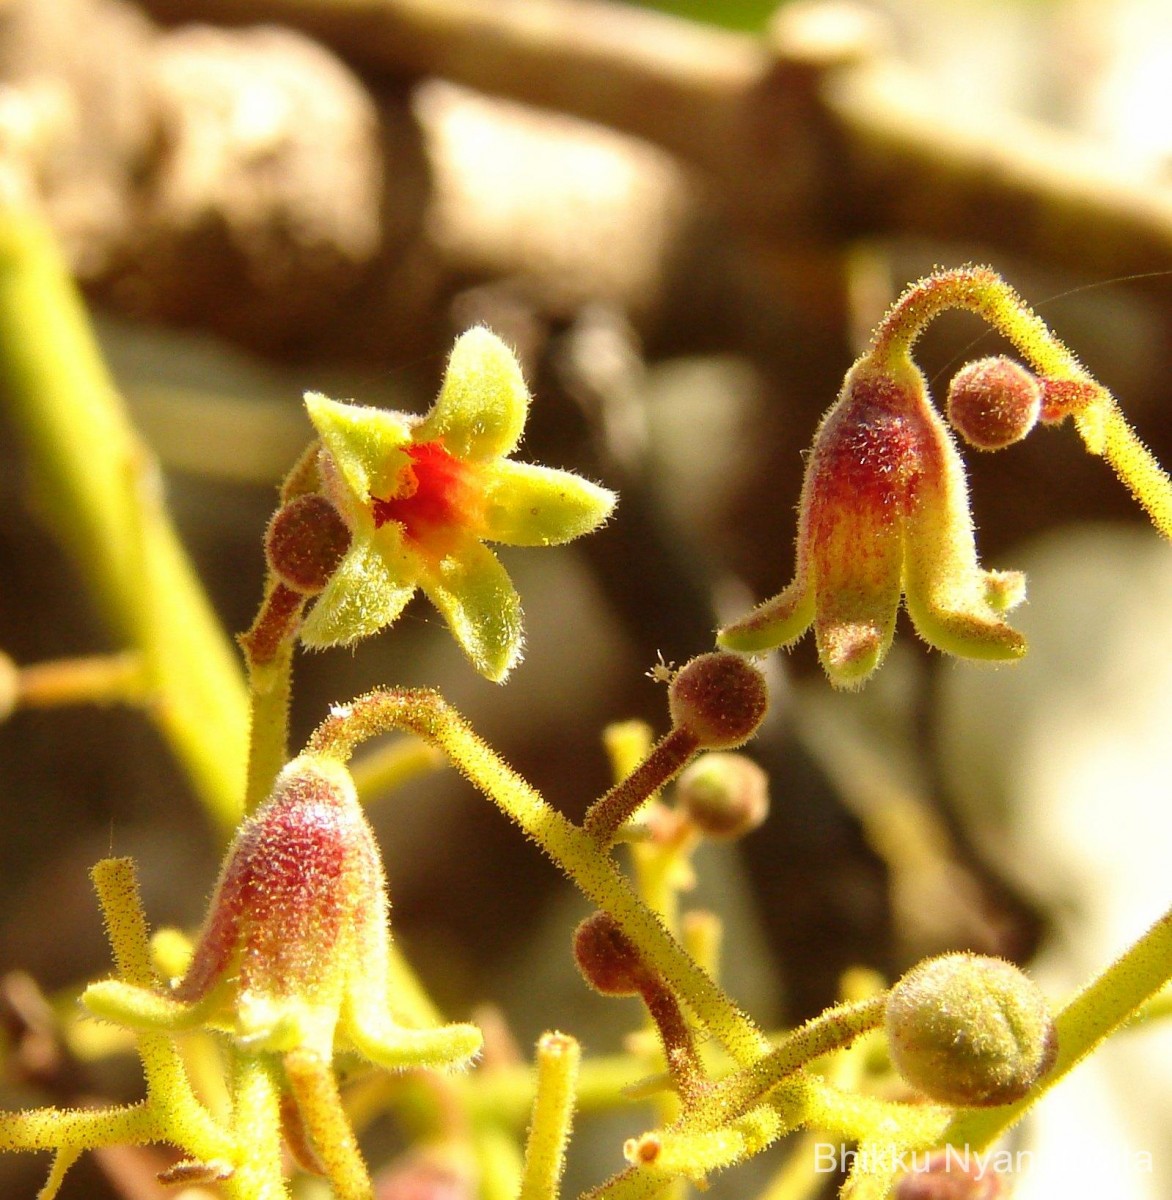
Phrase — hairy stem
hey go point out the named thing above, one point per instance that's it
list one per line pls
(270, 689)
(426, 714)
(1101, 425)
(311, 1080)
(666, 760)
(558, 1057)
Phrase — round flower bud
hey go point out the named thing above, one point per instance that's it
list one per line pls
(608, 959)
(724, 794)
(969, 1030)
(304, 543)
(951, 1176)
(720, 698)
(993, 402)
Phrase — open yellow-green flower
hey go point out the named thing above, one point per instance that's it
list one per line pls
(421, 496)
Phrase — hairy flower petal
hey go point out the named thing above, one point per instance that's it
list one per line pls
(527, 505)
(361, 597)
(477, 599)
(362, 442)
(483, 403)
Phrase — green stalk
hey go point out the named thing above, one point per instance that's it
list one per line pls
(99, 487)
(558, 1057)
(574, 850)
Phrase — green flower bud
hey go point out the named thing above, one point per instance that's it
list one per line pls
(724, 794)
(969, 1030)
(993, 402)
(719, 698)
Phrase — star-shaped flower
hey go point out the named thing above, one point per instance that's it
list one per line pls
(421, 496)
(884, 513)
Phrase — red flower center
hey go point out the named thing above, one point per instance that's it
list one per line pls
(439, 498)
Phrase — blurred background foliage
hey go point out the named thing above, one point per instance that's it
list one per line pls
(686, 244)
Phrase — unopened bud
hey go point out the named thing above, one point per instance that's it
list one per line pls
(609, 961)
(950, 1175)
(993, 402)
(724, 794)
(720, 698)
(969, 1030)
(305, 542)
(427, 1174)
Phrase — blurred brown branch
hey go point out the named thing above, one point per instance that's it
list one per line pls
(816, 131)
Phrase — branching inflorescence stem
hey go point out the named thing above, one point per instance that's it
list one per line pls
(1100, 423)
(425, 713)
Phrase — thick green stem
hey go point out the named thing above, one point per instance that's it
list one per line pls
(99, 486)
(558, 1057)
(269, 693)
(256, 1118)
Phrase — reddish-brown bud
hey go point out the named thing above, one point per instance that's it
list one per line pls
(952, 1175)
(428, 1174)
(724, 794)
(305, 542)
(300, 911)
(970, 1030)
(993, 402)
(719, 698)
(608, 959)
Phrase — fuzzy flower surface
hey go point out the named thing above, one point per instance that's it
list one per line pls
(422, 496)
(884, 515)
(293, 955)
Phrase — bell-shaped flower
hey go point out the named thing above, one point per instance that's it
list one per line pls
(293, 954)
(884, 513)
(421, 496)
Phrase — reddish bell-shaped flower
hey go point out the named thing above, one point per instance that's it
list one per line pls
(293, 954)
(884, 515)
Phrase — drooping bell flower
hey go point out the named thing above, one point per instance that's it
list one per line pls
(293, 954)
(884, 514)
